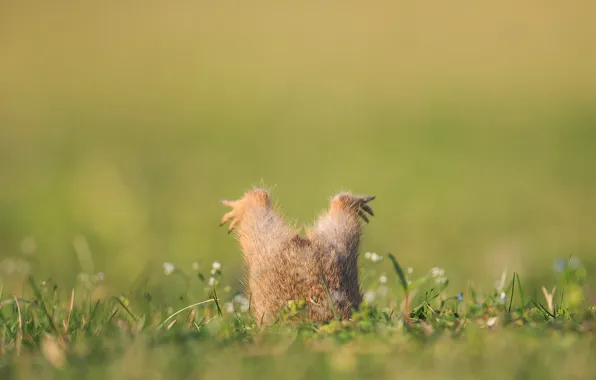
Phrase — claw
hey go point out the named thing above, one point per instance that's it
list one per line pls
(226, 217)
(363, 216)
(367, 208)
(232, 225)
(366, 198)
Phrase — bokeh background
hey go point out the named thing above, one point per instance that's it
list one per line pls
(122, 125)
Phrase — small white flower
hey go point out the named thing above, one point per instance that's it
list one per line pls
(241, 300)
(213, 271)
(502, 297)
(369, 296)
(410, 270)
(195, 266)
(437, 272)
(216, 265)
(441, 280)
(375, 258)
(229, 307)
(100, 276)
(211, 281)
(367, 255)
(383, 279)
(168, 268)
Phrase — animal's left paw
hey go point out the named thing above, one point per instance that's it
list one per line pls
(253, 198)
(357, 203)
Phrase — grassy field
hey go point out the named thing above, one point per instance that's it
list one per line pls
(122, 126)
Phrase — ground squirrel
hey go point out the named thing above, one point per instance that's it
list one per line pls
(283, 266)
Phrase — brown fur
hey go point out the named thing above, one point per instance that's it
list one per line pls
(284, 266)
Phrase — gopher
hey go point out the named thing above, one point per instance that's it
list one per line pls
(321, 268)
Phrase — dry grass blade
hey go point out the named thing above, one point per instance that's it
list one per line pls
(72, 297)
(19, 338)
(181, 310)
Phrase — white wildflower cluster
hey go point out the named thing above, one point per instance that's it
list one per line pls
(438, 274)
(383, 288)
(240, 303)
(229, 307)
(369, 296)
(215, 272)
(168, 268)
(372, 256)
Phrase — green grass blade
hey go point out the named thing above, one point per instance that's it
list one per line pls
(400, 272)
(92, 315)
(125, 308)
(473, 293)
(512, 292)
(542, 308)
(521, 290)
(43, 305)
(112, 315)
(216, 302)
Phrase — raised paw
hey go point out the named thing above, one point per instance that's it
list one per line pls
(253, 198)
(357, 203)
(231, 215)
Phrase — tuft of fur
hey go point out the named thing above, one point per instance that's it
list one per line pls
(321, 268)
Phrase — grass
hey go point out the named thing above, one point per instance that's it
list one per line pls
(500, 334)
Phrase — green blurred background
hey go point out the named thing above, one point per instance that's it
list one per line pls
(473, 123)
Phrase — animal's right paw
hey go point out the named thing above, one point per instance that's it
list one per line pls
(231, 215)
(253, 198)
(357, 203)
